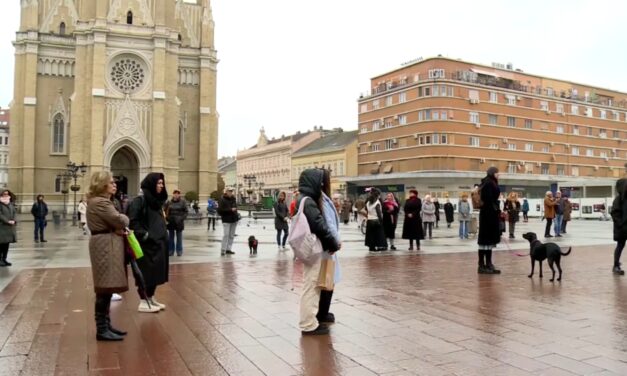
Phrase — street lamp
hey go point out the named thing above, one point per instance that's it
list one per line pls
(250, 179)
(75, 171)
(64, 179)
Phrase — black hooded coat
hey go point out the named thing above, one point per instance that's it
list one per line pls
(310, 185)
(490, 212)
(619, 211)
(147, 220)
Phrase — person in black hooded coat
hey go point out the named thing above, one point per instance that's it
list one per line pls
(619, 217)
(147, 220)
(489, 221)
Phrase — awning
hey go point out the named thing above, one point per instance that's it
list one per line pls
(485, 72)
(388, 169)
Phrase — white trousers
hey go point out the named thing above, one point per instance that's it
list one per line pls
(310, 297)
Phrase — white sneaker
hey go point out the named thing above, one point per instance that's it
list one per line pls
(280, 249)
(143, 307)
(116, 297)
(154, 302)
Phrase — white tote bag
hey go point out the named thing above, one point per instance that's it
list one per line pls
(306, 246)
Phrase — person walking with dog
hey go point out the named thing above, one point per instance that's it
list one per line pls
(464, 216)
(281, 216)
(375, 236)
(390, 218)
(549, 213)
(525, 210)
(568, 209)
(619, 218)
(310, 184)
(227, 208)
(559, 214)
(489, 221)
(512, 208)
(176, 214)
(428, 216)
(412, 226)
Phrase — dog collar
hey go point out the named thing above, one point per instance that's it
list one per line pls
(535, 241)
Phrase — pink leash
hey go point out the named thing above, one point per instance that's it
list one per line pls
(509, 248)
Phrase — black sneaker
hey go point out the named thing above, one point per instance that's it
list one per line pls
(492, 270)
(559, 236)
(229, 252)
(222, 253)
(618, 271)
(320, 330)
(6, 263)
(330, 318)
(393, 248)
(482, 270)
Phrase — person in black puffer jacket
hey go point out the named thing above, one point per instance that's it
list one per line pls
(227, 208)
(489, 221)
(310, 188)
(619, 216)
(176, 212)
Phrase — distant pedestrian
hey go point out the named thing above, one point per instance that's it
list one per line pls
(227, 208)
(568, 209)
(39, 210)
(390, 218)
(347, 209)
(8, 222)
(281, 217)
(375, 236)
(212, 213)
(489, 221)
(559, 214)
(293, 208)
(549, 212)
(82, 210)
(176, 214)
(412, 225)
(436, 204)
(196, 207)
(428, 216)
(619, 217)
(465, 216)
(512, 208)
(449, 213)
(525, 210)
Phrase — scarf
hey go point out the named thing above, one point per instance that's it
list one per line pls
(5, 200)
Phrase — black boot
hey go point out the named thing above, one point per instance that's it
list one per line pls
(481, 264)
(4, 258)
(103, 333)
(324, 316)
(111, 328)
(489, 266)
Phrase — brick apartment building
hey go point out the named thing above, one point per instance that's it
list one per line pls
(439, 123)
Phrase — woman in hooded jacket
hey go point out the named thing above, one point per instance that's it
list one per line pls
(147, 220)
(619, 217)
(310, 186)
(489, 221)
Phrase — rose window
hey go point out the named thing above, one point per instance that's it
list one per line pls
(127, 75)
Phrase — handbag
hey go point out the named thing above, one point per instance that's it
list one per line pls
(133, 244)
(326, 278)
(305, 245)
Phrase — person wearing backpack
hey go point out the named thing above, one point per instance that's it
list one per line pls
(212, 213)
(619, 217)
(310, 185)
(489, 220)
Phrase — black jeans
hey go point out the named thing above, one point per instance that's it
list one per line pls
(209, 221)
(4, 251)
(148, 293)
(278, 237)
(547, 229)
(618, 251)
(525, 216)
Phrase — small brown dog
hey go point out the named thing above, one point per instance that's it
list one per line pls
(252, 245)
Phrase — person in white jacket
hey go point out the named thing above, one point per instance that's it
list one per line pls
(82, 209)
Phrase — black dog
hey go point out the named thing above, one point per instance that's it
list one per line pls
(540, 251)
(252, 245)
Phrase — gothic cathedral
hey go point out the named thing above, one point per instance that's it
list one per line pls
(123, 85)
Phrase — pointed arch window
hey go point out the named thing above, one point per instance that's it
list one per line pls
(129, 17)
(58, 134)
(62, 28)
(181, 140)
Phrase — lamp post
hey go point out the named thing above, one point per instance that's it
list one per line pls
(64, 179)
(75, 171)
(250, 179)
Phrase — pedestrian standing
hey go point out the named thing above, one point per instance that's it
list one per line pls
(436, 204)
(390, 218)
(106, 251)
(549, 212)
(147, 220)
(525, 210)
(512, 208)
(428, 216)
(489, 221)
(39, 210)
(412, 226)
(347, 209)
(568, 209)
(8, 222)
(465, 215)
(310, 185)
(227, 208)
(293, 208)
(176, 214)
(559, 214)
(281, 216)
(449, 213)
(82, 211)
(375, 236)
(619, 217)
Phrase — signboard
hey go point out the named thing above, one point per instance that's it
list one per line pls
(394, 188)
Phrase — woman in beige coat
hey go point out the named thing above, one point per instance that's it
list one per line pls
(106, 251)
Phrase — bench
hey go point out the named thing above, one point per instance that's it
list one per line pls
(262, 215)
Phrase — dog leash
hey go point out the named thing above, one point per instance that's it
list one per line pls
(509, 248)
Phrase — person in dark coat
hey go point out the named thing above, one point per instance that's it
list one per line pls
(449, 212)
(227, 208)
(436, 203)
(147, 220)
(310, 185)
(619, 217)
(375, 236)
(525, 210)
(176, 214)
(8, 222)
(39, 210)
(412, 226)
(489, 221)
(512, 207)
(281, 216)
(347, 209)
(390, 218)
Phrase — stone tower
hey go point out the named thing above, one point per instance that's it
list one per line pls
(124, 85)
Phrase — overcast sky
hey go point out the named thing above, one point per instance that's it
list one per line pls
(288, 65)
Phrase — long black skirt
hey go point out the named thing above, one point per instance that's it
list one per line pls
(375, 237)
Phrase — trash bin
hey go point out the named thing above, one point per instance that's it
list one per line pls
(56, 217)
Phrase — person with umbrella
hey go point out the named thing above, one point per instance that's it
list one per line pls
(106, 251)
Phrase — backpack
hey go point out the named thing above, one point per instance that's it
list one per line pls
(475, 196)
(306, 245)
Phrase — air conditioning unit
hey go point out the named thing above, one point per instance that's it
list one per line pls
(477, 125)
(563, 113)
(369, 143)
(474, 101)
(395, 117)
(538, 164)
(482, 160)
(548, 112)
(567, 146)
(606, 159)
(382, 121)
(552, 144)
(378, 163)
(394, 141)
(518, 97)
(522, 163)
(504, 140)
(596, 168)
(416, 136)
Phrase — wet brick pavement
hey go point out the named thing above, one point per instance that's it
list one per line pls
(397, 314)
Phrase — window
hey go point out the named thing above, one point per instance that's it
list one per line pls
(603, 114)
(545, 169)
(549, 91)
(376, 125)
(364, 129)
(443, 115)
(436, 73)
(421, 140)
(493, 119)
(559, 108)
(375, 104)
(545, 149)
(528, 124)
(388, 100)
(474, 117)
(574, 109)
(181, 140)
(436, 115)
(590, 131)
(544, 105)
(427, 91)
(402, 97)
(559, 128)
(511, 146)
(574, 171)
(402, 119)
(388, 124)
(389, 144)
(58, 135)
(474, 141)
(616, 134)
(374, 147)
(62, 28)
(443, 139)
(589, 153)
(436, 91)
(493, 146)
(443, 91)
(528, 147)
(560, 170)
(589, 112)
(512, 167)
(603, 154)
(435, 138)
(494, 97)
(473, 94)
(575, 129)
(364, 107)
(341, 169)
(129, 17)
(602, 133)
(511, 100)
(57, 184)
(575, 150)
(511, 121)
(424, 115)
(428, 139)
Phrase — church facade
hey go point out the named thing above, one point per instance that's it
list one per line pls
(123, 85)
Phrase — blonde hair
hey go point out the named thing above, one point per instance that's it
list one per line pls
(464, 195)
(428, 198)
(513, 196)
(98, 183)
